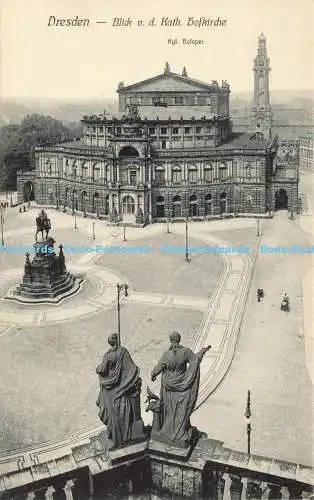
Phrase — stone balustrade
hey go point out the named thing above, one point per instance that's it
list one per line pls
(210, 472)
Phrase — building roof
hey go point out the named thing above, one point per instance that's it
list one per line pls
(171, 82)
(245, 141)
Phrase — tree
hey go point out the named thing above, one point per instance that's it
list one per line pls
(17, 144)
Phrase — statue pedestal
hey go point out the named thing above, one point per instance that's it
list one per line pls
(171, 450)
(45, 279)
(101, 446)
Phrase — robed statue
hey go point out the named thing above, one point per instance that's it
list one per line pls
(119, 395)
(180, 369)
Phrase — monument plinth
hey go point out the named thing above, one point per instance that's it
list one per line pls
(46, 279)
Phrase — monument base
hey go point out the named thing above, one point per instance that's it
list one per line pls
(70, 286)
(171, 450)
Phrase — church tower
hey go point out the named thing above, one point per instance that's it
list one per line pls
(261, 115)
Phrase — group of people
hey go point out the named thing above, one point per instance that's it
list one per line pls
(120, 387)
(285, 302)
(4, 204)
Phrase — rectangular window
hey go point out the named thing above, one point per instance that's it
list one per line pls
(119, 130)
(101, 129)
(133, 177)
(187, 130)
(163, 144)
(94, 129)
(198, 130)
(192, 175)
(176, 176)
(152, 131)
(163, 130)
(175, 130)
(179, 100)
(160, 176)
(109, 130)
(208, 174)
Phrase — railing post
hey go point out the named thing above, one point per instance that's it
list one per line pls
(68, 489)
(236, 487)
(274, 492)
(49, 495)
(254, 490)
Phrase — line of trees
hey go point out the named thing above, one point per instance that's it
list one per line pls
(17, 143)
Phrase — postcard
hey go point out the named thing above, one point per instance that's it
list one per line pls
(156, 257)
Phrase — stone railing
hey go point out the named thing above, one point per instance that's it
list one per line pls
(210, 471)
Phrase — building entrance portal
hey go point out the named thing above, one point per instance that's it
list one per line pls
(128, 209)
(281, 200)
(28, 191)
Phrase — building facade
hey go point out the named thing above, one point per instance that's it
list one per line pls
(307, 152)
(168, 153)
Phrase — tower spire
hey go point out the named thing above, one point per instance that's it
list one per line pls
(261, 115)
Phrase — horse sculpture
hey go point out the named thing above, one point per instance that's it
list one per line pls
(43, 224)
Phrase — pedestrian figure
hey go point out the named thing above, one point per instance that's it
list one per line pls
(24, 208)
(20, 209)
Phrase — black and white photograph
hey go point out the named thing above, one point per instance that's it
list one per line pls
(157, 249)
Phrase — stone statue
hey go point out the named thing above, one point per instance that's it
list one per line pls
(119, 395)
(180, 369)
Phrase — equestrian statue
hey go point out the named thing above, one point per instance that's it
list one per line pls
(43, 224)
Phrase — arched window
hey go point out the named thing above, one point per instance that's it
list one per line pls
(208, 173)
(160, 206)
(176, 206)
(83, 201)
(176, 175)
(84, 170)
(208, 204)
(193, 206)
(128, 152)
(128, 205)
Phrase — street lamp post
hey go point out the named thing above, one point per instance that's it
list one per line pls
(94, 237)
(2, 223)
(248, 415)
(124, 287)
(168, 230)
(124, 236)
(258, 230)
(75, 226)
(187, 259)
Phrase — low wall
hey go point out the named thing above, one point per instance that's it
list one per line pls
(140, 471)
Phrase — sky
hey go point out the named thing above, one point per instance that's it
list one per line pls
(88, 62)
